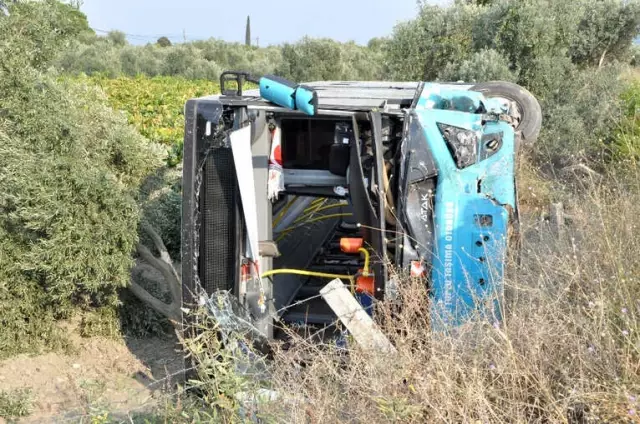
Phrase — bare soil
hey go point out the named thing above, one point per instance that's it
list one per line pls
(121, 377)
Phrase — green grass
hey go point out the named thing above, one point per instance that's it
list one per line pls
(15, 404)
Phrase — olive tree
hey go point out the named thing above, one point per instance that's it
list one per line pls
(71, 172)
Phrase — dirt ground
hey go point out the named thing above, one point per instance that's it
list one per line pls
(119, 376)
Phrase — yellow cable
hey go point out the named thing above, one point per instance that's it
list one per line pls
(284, 211)
(320, 218)
(323, 217)
(305, 273)
(366, 260)
(314, 205)
(352, 283)
(323, 208)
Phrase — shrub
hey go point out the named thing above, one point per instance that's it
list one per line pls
(203, 70)
(41, 32)
(118, 38)
(485, 65)
(97, 58)
(151, 59)
(70, 171)
(421, 48)
(580, 110)
(624, 144)
(362, 63)
(16, 403)
(606, 31)
(164, 42)
(69, 192)
(179, 60)
(313, 59)
(130, 61)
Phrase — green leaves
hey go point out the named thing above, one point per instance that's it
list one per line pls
(605, 32)
(566, 53)
(155, 106)
(33, 34)
(73, 196)
(485, 65)
(70, 173)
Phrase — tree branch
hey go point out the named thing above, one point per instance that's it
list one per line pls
(157, 241)
(170, 277)
(169, 310)
(151, 259)
(601, 62)
(581, 167)
(169, 273)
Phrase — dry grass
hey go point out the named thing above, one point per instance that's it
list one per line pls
(567, 351)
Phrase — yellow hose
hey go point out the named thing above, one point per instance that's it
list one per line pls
(366, 261)
(324, 274)
(322, 218)
(314, 205)
(352, 284)
(305, 273)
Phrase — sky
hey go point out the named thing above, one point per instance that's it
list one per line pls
(272, 21)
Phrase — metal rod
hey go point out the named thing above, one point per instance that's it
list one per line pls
(320, 112)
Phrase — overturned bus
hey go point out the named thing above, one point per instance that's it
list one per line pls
(289, 186)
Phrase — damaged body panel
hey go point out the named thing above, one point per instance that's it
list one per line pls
(471, 214)
(348, 181)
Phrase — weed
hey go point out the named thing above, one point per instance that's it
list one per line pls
(566, 350)
(15, 404)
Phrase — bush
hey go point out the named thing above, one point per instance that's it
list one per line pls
(580, 111)
(14, 404)
(69, 192)
(70, 173)
(362, 64)
(421, 48)
(42, 32)
(308, 59)
(130, 61)
(485, 65)
(606, 31)
(624, 143)
(164, 42)
(118, 38)
(311, 60)
(97, 58)
(203, 70)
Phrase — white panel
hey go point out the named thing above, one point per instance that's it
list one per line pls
(355, 318)
(243, 159)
